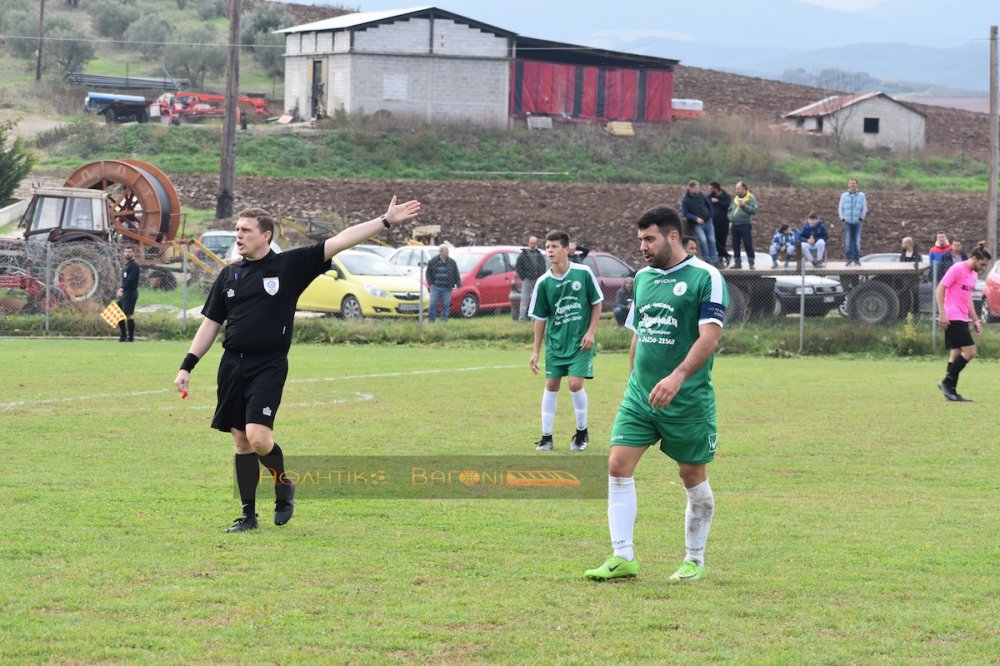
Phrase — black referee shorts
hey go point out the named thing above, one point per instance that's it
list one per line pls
(249, 390)
(957, 335)
(127, 302)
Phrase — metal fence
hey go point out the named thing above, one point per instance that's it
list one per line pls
(42, 278)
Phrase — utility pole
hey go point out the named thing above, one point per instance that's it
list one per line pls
(991, 215)
(41, 31)
(227, 172)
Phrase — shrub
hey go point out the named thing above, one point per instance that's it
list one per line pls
(16, 160)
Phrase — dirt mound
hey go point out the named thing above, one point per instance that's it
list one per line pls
(601, 216)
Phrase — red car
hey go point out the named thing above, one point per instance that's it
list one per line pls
(989, 306)
(487, 274)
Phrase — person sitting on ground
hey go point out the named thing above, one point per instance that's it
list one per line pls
(813, 237)
(783, 245)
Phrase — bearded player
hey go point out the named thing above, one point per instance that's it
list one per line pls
(678, 308)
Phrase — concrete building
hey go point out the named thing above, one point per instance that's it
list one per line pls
(874, 120)
(440, 67)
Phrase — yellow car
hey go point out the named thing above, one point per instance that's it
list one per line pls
(362, 284)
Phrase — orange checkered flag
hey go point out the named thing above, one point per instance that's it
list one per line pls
(112, 314)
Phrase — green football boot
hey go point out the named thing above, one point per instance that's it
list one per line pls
(614, 567)
(689, 571)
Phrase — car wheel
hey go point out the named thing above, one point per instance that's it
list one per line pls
(778, 310)
(984, 312)
(469, 307)
(350, 308)
(873, 302)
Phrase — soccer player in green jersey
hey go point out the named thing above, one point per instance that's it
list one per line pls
(678, 307)
(566, 306)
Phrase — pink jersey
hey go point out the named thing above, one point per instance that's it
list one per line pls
(959, 283)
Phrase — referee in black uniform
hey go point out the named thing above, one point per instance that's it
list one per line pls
(256, 299)
(128, 295)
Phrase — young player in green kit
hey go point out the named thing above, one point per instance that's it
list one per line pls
(566, 306)
(679, 303)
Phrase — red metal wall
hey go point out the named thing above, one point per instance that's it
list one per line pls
(590, 93)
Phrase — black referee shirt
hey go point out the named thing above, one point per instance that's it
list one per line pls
(130, 276)
(257, 299)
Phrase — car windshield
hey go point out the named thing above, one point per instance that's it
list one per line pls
(466, 261)
(218, 244)
(368, 264)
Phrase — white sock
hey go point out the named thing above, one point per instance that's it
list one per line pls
(698, 521)
(622, 507)
(549, 401)
(580, 407)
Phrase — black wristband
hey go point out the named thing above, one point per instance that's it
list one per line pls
(189, 362)
(385, 222)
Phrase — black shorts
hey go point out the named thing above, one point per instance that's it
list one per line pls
(957, 335)
(127, 302)
(249, 390)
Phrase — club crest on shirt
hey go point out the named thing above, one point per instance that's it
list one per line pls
(576, 286)
(680, 288)
(271, 285)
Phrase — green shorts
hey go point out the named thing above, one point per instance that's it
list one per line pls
(582, 365)
(688, 443)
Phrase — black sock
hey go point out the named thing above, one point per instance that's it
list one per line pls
(131, 329)
(275, 464)
(247, 478)
(949, 374)
(121, 327)
(958, 365)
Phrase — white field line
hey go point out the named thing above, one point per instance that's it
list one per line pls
(6, 406)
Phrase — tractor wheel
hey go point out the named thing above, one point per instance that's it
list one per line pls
(162, 278)
(873, 303)
(84, 270)
(47, 299)
(737, 310)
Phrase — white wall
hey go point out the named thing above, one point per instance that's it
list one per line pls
(900, 129)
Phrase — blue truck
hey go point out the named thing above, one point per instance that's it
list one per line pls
(118, 108)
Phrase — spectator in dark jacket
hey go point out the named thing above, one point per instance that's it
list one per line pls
(813, 237)
(623, 301)
(530, 266)
(949, 259)
(442, 276)
(697, 209)
(720, 218)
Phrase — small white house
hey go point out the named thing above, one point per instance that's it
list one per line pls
(874, 120)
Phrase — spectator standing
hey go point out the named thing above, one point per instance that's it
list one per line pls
(940, 248)
(690, 245)
(956, 308)
(442, 276)
(908, 254)
(697, 209)
(949, 259)
(623, 301)
(853, 210)
(128, 296)
(720, 219)
(783, 245)
(741, 211)
(530, 266)
(813, 237)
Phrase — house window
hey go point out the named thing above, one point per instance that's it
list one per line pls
(871, 125)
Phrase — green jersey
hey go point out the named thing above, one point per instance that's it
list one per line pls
(667, 308)
(564, 302)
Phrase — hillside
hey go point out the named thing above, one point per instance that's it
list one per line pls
(948, 130)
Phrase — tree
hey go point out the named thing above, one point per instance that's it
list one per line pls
(64, 47)
(16, 160)
(842, 84)
(258, 36)
(197, 53)
(112, 18)
(150, 36)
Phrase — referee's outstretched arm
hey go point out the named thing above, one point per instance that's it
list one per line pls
(395, 214)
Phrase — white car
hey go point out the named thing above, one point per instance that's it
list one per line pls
(411, 258)
(233, 254)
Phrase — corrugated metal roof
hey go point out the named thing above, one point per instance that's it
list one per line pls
(834, 103)
(365, 19)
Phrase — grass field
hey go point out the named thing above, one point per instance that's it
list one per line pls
(856, 518)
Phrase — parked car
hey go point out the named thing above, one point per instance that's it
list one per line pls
(381, 250)
(989, 303)
(925, 291)
(410, 258)
(361, 284)
(218, 241)
(233, 253)
(487, 274)
(822, 294)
